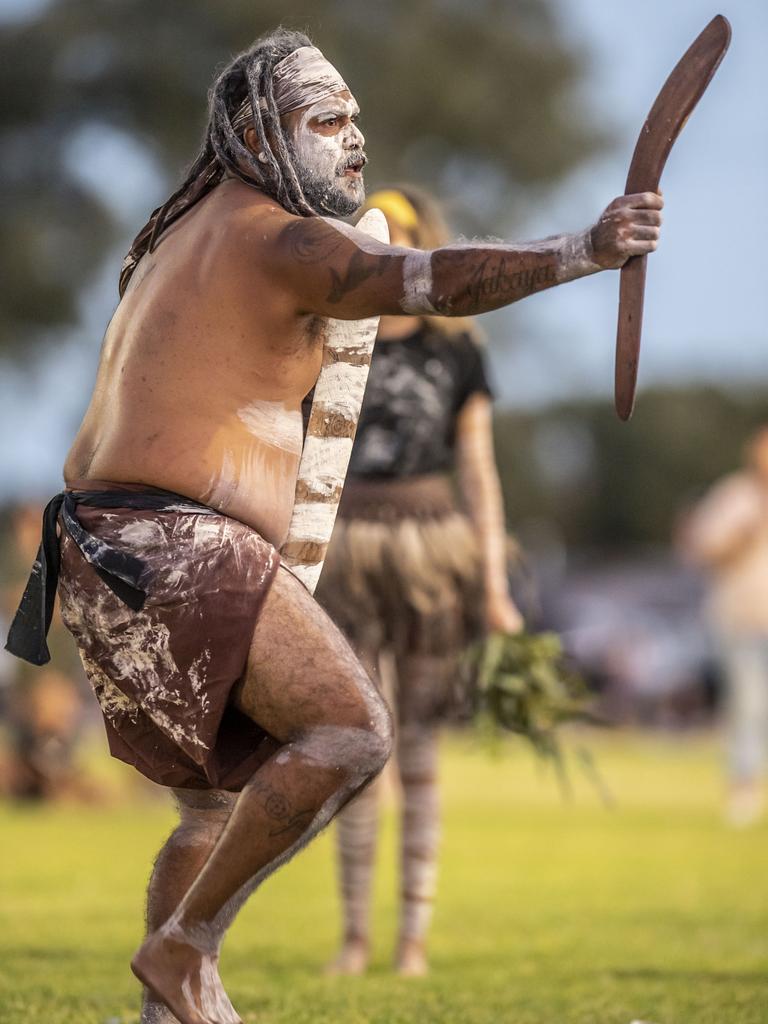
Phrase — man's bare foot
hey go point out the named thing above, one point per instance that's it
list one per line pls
(185, 979)
(352, 959)
(411, 959)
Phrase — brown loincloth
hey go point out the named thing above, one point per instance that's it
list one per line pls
(164, 675)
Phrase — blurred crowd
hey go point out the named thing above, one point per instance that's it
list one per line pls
(671, 637)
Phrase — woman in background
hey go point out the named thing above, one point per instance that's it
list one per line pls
(411, 576)
(727, 534)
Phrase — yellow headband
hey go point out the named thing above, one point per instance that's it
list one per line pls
(394, 204)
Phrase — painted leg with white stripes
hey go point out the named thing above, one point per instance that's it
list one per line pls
(417, 750)
(356, 838)
(357, 828)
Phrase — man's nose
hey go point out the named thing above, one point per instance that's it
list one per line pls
(355, 137)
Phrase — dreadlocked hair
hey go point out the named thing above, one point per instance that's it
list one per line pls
(247, 77)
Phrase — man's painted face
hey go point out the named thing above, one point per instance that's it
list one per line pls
(327, 147)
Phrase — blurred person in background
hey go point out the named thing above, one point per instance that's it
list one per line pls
(411, 577)
(217, 673)
(43, 710)
(727, 534)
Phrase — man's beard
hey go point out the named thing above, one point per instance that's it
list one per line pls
(338, 196)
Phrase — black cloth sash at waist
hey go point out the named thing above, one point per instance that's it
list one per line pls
(123, 573)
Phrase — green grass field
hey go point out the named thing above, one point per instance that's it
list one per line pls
(549, 913)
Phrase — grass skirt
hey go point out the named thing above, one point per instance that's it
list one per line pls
(403, 571)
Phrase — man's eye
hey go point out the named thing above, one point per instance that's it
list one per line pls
(330, 122)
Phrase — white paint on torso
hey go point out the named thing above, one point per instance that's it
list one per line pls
(272, 423)
(223, 484)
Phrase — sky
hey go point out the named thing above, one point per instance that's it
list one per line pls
(706, 297)
(706, 307)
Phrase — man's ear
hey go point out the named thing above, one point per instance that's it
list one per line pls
(251, 139)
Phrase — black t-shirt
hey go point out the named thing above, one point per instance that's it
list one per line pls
(416, 388)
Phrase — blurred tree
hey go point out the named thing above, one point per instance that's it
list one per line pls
(610, 487)
(474, 100)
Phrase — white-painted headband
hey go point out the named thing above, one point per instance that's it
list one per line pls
(301, 78)
(305, 77)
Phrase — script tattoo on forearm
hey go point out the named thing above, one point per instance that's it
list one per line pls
(496, 277)
(463, 281)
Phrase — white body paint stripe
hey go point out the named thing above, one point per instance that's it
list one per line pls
(417, 283)
(273, 424)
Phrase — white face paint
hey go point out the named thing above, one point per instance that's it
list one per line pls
(329, 150)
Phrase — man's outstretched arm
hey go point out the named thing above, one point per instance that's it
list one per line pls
(334, 270)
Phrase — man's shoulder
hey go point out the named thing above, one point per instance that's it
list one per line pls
(254, 211)
(285, 241)
(251, 228)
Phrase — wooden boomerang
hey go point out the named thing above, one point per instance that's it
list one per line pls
(330, 432)
(674, 104)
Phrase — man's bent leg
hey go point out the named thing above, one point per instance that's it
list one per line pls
(306, 688)
(203, 815)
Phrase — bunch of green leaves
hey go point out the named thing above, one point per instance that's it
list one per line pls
(523, 683)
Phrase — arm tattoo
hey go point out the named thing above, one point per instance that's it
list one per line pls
(470, 279)
(498, 278)
(359, 269)
(312, 240)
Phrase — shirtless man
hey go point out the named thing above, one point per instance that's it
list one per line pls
(264, 729)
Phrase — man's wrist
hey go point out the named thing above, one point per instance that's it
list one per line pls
(577, 256)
